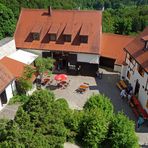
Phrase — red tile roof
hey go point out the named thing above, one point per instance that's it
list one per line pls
(54, 28)
(5, 77)
(69, 22)
(15, 67)
(113, 45)
(136, 49)
(145, 38)
(85, 30)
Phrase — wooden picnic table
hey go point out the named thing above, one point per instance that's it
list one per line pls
(83, 86)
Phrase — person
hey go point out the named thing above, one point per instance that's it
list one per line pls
(129, 88)
(129, 96)
(79, 69)
(123, 94)
(97, 73)
(140, 121)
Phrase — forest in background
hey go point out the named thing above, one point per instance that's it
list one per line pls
(119, 16)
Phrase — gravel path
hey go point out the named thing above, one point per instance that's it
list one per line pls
(9, 111)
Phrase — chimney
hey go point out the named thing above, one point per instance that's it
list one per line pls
(49, 10)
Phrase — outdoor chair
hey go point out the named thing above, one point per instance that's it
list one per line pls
(45, 81)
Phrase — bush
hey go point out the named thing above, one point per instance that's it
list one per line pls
(73, 122)
(19, 99)
(122, 132)
(94, 128)
(99, 101)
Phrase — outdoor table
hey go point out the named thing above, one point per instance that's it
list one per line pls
(83, 86)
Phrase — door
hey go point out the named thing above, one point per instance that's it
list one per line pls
(137, 87)
(3, 98)
(107, 62)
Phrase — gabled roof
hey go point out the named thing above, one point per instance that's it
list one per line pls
(136, 49)
(112, 46)
(66, 22)
(15, 67)
(5, 77)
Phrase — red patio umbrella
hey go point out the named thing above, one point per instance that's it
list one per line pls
(61, 77)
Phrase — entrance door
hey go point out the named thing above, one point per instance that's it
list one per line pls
(3, 97)
(107, 62)
(137, 87)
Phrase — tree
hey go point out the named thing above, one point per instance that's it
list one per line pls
(7, 21)
(108, 22)
(101, 102)
(73, 124)
(94, 128)
(44, 65)
(122, 133)
(24, 83)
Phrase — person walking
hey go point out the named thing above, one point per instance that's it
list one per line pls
(123, 94)
(140, 121)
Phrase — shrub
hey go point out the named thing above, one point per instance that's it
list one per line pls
(99, 101)
(19, 99)
(94, 128)
(122, 132)
(73, 122)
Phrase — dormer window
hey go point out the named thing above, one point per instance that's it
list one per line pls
(67, 38)
(52, 37)
(36, 31)
(36, 36)
(84, 39)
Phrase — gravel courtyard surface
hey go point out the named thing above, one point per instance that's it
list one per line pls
(9, 111)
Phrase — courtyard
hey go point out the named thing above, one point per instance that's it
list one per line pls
(106, 86)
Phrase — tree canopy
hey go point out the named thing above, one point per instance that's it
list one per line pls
(7, 21)
(44, 121)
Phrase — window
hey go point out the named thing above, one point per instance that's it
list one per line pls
(84, 39)
(36, 36)
(140, 70)
(128, 75)
(52, 37)
(67, 38)
(131, 59)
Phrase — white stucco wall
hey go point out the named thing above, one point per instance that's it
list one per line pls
(9, 92)
(13, 86)
(1, 105)
(117, 68)
(123, 71)
(7, 47)
(143, 94)
(88, 58)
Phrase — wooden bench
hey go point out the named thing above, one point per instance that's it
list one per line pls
(121, 85)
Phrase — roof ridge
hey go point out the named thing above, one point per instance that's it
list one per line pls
(121, 35)
(34, 9)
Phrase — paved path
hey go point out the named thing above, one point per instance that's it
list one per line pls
(9, 111)
(70, 145)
